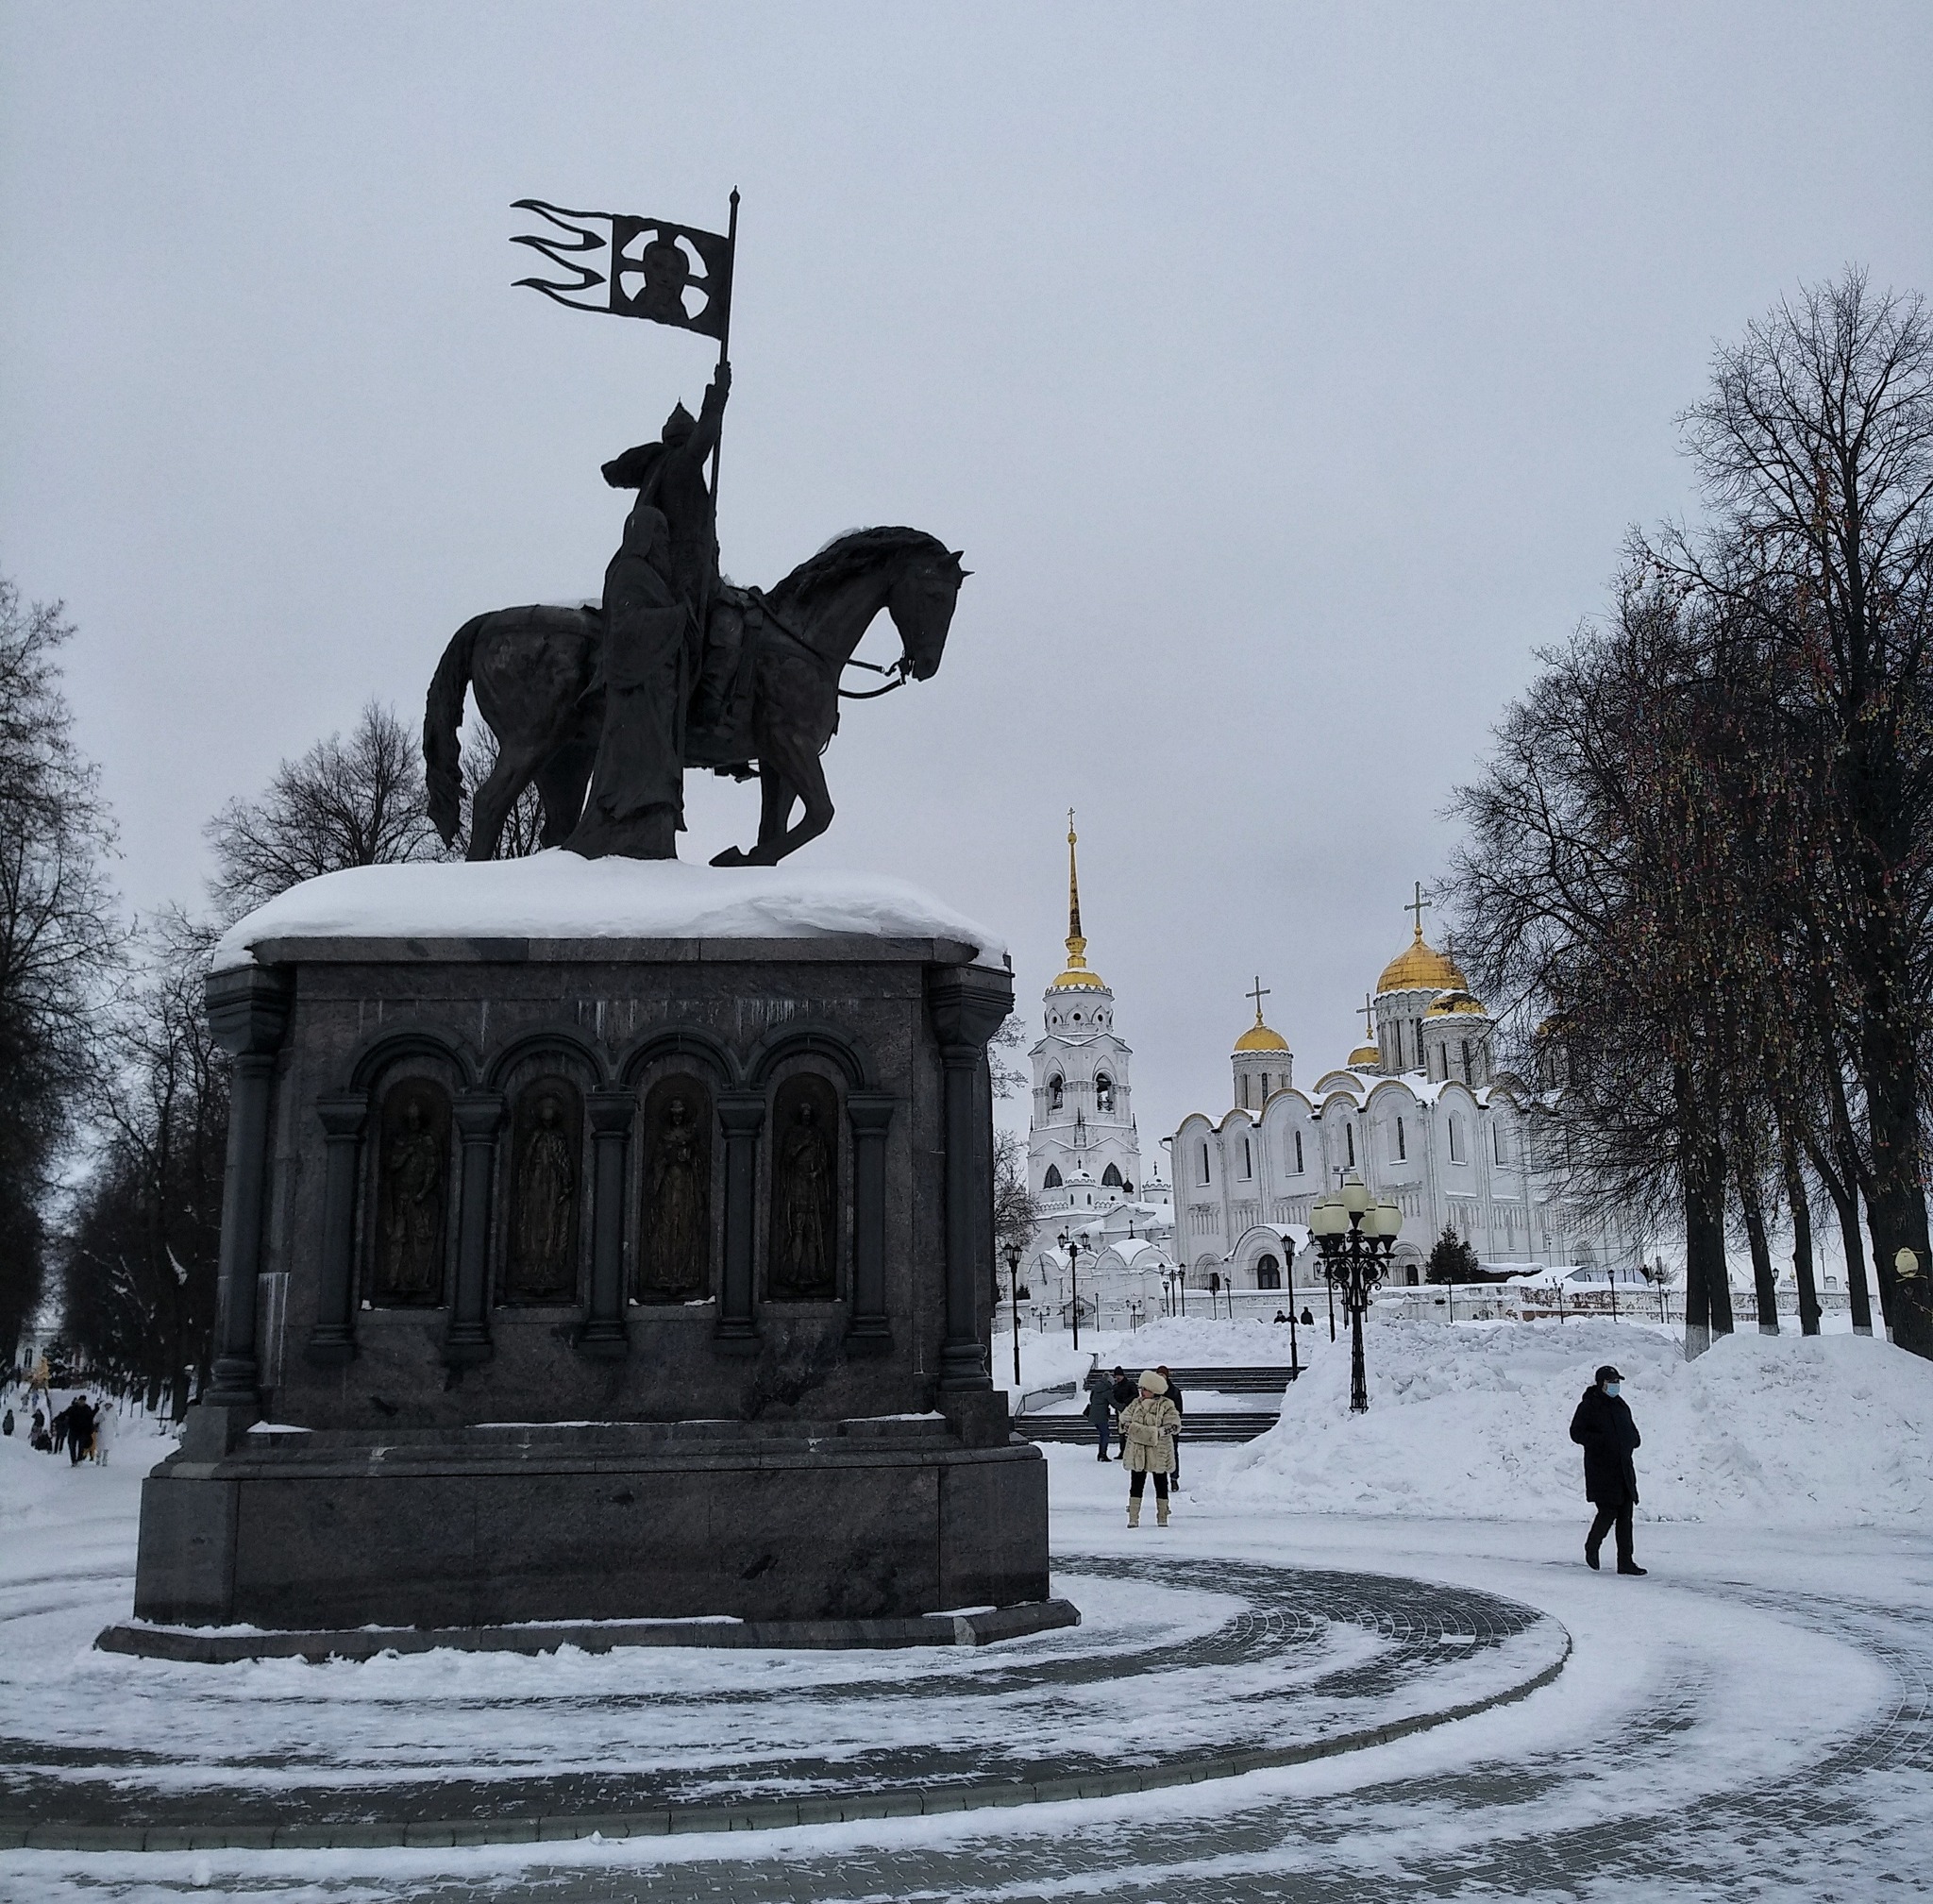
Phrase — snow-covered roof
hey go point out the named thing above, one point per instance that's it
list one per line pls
(557, 895)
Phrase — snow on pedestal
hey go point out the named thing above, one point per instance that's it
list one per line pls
(557, 895)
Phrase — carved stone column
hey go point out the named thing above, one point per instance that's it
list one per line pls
(742, 1114)
(967, 1004)
(869, 1114)
(478, 1116)
(604, 1336)
(332, 1337)
(248, 1012)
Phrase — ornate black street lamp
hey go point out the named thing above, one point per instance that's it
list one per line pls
(1014, 1285)
(1072, 1246)
(1357, 1236)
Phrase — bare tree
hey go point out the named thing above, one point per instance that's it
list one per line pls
(140, 1250)
(354, 802)
(58, 938)
(1815, 446)
(1015, 1211)
(1007, 1077)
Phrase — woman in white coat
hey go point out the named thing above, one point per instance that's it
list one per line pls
(1148, 1425)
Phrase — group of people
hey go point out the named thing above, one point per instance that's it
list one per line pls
(1146, 1412)
(85, 1430)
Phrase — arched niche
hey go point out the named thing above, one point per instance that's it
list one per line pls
(676, 1243)
(544, 1179)
(406, 1243)
(804, 1242)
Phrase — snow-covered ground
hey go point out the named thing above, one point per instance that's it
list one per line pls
(1752, 1721)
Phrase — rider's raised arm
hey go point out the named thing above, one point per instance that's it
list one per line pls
(712, 413)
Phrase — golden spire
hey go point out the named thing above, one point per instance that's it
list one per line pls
(1077, 977)
(1077, 946)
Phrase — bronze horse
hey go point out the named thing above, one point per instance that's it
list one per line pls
(536, 674)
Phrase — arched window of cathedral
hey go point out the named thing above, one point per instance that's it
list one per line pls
(1265, 1088)
(1111, 1177)
(1401, 1148)
(1467, 1078)
(1455, 1139)
(1077, 1017)
(1349, 1139)
(1497, 1142)
(1205, 1178)
(1247, 1159)
(1055, 1089)
(1103, 1092)
(1268, 1273)
(1298, 1153)
(1052, 1181)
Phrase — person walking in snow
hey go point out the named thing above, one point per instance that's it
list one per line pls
(1148, 1425)
(1124, 1392)
(1602, 1427)
(105, 1425)
(1100, 1410)
(80, 1430)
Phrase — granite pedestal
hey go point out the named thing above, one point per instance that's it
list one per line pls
(601, 1278)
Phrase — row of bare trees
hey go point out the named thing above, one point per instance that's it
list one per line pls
(1699, 863)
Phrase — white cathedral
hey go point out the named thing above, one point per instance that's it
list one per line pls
(1420, 1113)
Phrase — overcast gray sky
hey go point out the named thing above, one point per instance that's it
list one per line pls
(1287, 374)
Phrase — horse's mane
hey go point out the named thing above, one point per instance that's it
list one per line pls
(845, 556)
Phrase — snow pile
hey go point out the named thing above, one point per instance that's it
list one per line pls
(559, 895)
(1473, 1421)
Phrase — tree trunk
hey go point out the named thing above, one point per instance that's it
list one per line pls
(1707, 1295)
(1802, 1233)
(1763, 1283)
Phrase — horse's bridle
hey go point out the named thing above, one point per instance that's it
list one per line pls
(901, 670)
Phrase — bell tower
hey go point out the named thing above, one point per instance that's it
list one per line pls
(1083, 1150)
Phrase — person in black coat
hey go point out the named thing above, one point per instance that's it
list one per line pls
(1602, 1427)
(1124, 1392)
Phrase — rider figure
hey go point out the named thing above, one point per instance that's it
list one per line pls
(669, 476)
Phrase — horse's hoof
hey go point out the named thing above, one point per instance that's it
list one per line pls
(730, 856)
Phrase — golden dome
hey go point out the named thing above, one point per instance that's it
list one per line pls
(1258, 1038)
(1419, 968)
(1077, 978)
(1365, 1054)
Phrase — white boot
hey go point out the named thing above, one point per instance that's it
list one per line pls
(1161, 1511)
(1133, 1510)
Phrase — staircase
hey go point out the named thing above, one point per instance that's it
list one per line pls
(1200, 1422)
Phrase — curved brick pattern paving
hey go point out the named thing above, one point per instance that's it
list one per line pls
(1275, 1665)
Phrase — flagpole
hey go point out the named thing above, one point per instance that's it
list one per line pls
(725, 343)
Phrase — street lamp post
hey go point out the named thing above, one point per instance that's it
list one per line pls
(1013, 1287)
(1072, 1246)
(1356, 1236)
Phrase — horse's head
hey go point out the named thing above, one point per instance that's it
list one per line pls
(921, 603)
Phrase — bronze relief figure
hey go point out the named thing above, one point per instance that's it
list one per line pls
(675, 1252)
(412, 1193)
(541, 1259)
(805, 1193)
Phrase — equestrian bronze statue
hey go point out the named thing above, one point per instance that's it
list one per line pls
(675, 667)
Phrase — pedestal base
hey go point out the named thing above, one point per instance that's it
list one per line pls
(879, 1519)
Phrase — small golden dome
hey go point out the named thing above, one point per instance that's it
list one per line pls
(1460, 1001)
(1079, 979)
(1420, 967)
(1258, 1038)
(1365, 1054)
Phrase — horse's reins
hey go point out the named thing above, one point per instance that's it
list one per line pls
(898, 670)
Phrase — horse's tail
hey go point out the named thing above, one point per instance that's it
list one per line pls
(443, 714)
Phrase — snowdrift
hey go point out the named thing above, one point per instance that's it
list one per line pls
(1473, 1421)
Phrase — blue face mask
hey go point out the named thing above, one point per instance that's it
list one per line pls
(1613, 1387)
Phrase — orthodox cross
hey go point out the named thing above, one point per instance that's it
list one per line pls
(1364, 1010)
(1260, 992)
(1418, 905)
